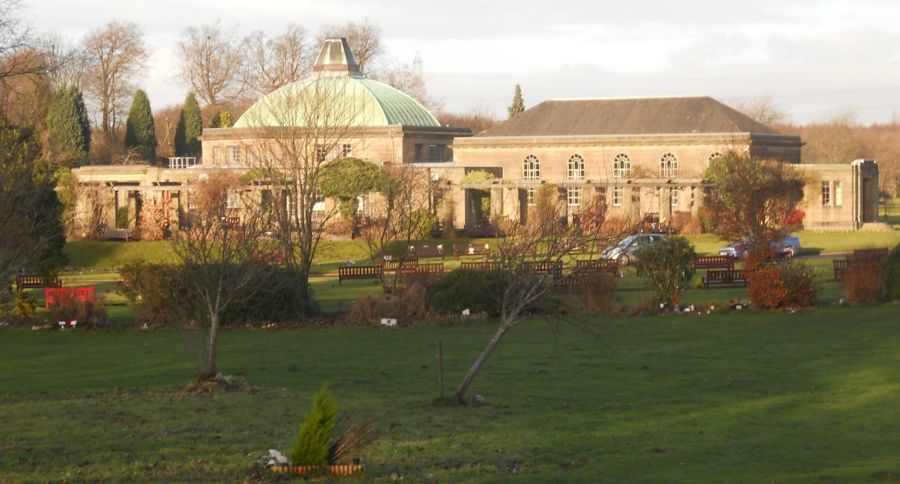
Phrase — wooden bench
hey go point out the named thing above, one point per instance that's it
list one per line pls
(116, 234)
(553, 268)
(857, 258)
(420, 271)
(360, 272)
(460, 250)
(869, 254)
(724, 277)
(392, 265)
(714, 262)
(597, 265)
(31, 281)
(480, 265)
(577, 280)
(425, 251)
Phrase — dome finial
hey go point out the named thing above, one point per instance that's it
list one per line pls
(336, 57)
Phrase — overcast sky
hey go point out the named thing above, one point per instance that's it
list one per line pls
(814, 58)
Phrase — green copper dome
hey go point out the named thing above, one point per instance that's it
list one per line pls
(336, 94)
(332, 100)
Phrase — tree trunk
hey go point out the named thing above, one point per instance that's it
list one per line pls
(460, 394)
(209, 373)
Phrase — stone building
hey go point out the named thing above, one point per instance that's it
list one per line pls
(639, 155)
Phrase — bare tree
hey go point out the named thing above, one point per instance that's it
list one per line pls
(273, 62)
(211, 63)
(836, 140)
(219, 250)
(528, 255)
(364, 38)
(114, 55)
(478, 119)
(399, 216)
(17, 53)
(296, 133)
(763, 110)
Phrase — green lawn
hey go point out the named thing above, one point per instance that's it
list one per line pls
(740, 397)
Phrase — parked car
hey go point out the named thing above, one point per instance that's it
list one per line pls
(787, 246)
(624, 252)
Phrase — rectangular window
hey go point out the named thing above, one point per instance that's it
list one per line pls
(234, 154)
(573, 195)
(531, 194)
(617, 196)
(321, 153)
(217, 154)
(249, 155)
(826, 193)
(675, 197)
(838, 194)
(346, 150)
(418, 152)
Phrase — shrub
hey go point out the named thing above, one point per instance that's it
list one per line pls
(477, 291)
(668, 268)
(314, 437)
(865, 282)
(24, 307)
(598, 296)
(892, 273)
(686, 223)
(426, 225)
(162, 295)
(776, 286)
(87, 313)
(408, 305)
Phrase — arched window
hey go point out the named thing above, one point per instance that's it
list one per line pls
(621, 166)
(576, 168)
(715, 155)
(668, 166)
(531, 168)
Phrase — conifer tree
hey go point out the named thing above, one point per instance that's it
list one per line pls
(221, 119)
(68, 128)
(140, 132)
(518, 104)
(189, 129)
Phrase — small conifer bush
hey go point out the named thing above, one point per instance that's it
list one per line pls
(314, 437)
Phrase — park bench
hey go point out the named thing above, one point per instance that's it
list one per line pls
(392, 265)
(553, 268)
(408, 273)
(360, 272)
(577, 281)
(480, 265)
(31, 281)
(714, 262)
(857, 258)
(724, 277)
(597, 265)
(66, 295)
(425, 251)
(110, 233)
(460, 250)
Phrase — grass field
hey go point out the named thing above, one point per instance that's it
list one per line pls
(740, 397)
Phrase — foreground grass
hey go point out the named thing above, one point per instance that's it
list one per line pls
(746, 397)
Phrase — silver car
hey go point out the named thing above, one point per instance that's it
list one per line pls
(624, 252)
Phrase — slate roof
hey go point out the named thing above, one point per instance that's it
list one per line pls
(629, 116)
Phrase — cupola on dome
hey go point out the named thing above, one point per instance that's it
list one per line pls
(336, 94)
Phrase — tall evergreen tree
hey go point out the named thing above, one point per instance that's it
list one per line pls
(189, 129)
(518, 104)
(140, 132)
(68, 128)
